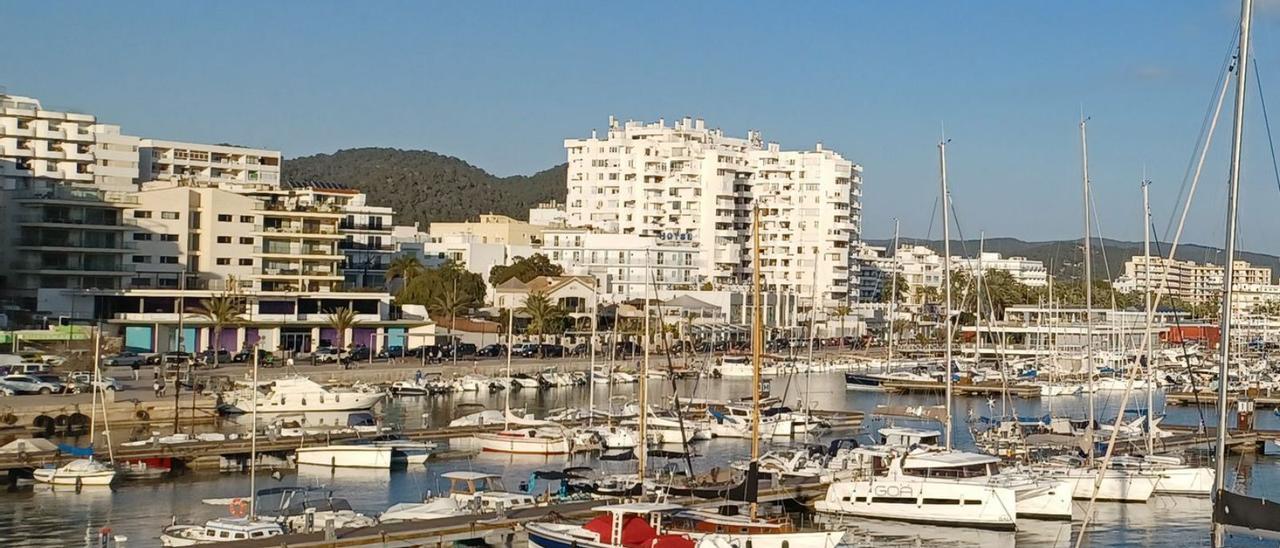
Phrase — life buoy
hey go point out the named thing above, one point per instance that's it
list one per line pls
(239, 508)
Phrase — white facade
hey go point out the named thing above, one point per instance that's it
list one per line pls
(231, 166)
(689, 183)
(204, 231)
(1023, 270)
(1187, 280)
(625, 266)
(367, 242)
(548, 214)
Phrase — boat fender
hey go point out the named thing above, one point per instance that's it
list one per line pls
(142, 415)
(61, 420)
(44, 423)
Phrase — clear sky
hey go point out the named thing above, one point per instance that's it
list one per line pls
(500, 85)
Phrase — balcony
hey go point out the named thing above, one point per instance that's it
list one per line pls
(71, 245)
(364, 227)
(299, 251)
(64, 221)
(76, 196)
(304, 210)
(299, 230)
(72, 267)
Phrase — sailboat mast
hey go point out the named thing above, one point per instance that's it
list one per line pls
(1146, 257)
(893, 294)
(1233, 202)
(93, 414)
(253, 441)
(506, 413)
(1088, 281)
(946, 280)
(977, 314)
(591, 373)
(813, 324)
(644, 381)
(757, 346)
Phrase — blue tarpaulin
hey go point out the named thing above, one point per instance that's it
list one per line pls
(76, 451)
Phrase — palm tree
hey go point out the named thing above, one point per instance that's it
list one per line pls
(221, 311)
(404, 266)
(842, 311)
(544, 316)
(341, 319)
(450, 302)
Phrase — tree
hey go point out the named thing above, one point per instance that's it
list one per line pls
(341, 319)
(221, 311)
(545, 317)
(524, 269)
(424, 288)
(404, 266)
(450, 302)
(893, 287)
(842, 311)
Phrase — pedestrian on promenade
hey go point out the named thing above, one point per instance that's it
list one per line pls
(158, 388)
(135, 368)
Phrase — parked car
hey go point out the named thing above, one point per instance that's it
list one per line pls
(327, 354)
(551, 351)
(492, 350)
(359, 353)
(170, 359)
(33, 384)
(207, 356)
(246, 356)
(124, 359)
(391, 352)
(463, 349)
(27, 368)
(85, 379)
(525, 350)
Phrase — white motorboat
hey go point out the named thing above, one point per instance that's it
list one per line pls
(407, 451)
(481, 418)
(527, 440)
(1108, 384)
(902, 497)
(1051, 389)
(1117, 485)
(668, 430)
(619, 377)
(615, 437)
(600, 376)
(346, 456)
(300, 394)
(220, 530)
(469, 493)
(740, 367)
(874, 382)
(79, 472)
(523, 381)
(409, 388)
(1176, 477)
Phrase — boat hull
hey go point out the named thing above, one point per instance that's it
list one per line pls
(346, 457)
(519, 442)
(1116, 485)
(54, 477)
(1185, 481)
(923, 501)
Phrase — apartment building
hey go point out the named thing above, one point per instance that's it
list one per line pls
(625, 266)
(201, 233)
(226, 165)
(1187, 280)
(367, 245)
(489, 229)
(690, 183)
(1023, 270)
(63, 183)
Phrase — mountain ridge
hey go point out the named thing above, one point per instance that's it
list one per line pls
(424, 186)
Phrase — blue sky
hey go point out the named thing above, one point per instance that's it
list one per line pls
(502, 84)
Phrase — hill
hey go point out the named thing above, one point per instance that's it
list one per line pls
(1063, 257)
(423, 186)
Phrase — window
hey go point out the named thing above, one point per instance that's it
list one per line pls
(141, 214)
(246, 218)
(168, 237)
(141, 236)
(169, 260)
(170, 215)
(224, 261)
(224, 239)
(246, 240)
(142, 259)
(246, 262)
(224, 218)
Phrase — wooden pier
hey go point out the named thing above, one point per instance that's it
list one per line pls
(490, 529)
(1211, 399)
(959, 389)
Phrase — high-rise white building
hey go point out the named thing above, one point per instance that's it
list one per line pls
(64, 183)
(626, 266)
(224, 165)
(690, 183)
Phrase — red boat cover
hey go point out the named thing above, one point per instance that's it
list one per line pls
(636, 531)
(673, 541)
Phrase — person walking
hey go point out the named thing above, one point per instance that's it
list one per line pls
(158, 388)
(135, 368)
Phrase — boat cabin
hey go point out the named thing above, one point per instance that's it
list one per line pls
(222, 530)
(484, 490)
(906, 437)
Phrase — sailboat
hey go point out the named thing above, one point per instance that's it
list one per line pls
(86, 471)
(898, 495)
(533, 437)
(1236, 511)
(245, 523)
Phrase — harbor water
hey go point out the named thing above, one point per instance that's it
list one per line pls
(39, 516)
